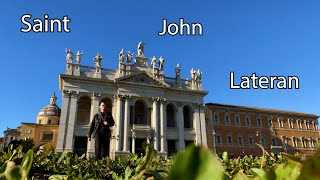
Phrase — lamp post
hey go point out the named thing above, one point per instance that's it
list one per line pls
(214, 141)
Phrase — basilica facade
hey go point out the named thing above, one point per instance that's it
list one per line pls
(147, 105)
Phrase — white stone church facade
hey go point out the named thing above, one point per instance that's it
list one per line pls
(167, 112)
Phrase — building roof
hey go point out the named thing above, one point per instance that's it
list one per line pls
(264, 110)
(52, 109)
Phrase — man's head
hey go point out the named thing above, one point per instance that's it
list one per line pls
(102, 106)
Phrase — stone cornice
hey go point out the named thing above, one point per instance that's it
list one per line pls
(63, 77)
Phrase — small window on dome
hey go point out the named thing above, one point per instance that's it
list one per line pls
(40, 121)
(49, 121)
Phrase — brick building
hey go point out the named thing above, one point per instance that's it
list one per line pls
(236, 129)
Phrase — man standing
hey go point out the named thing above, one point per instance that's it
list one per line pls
(100, 131)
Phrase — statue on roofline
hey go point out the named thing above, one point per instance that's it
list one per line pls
(121, 56)
(129, 57)
(140, 49)
(161, 62)
(193, 74)
(69, 56)
(199, 75)
(153, 62)
(97, 60)
(78, 57)
(177, 70)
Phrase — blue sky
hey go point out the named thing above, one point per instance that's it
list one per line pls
(263, 37)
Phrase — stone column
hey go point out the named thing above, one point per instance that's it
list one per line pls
(126, 123)
(94, 110)
(119, 120)
(63, 124)
(155, 123)
(203, 127)
(196, 124)
(133, 145)
(72, 121)
(163, 125)
(180, 121)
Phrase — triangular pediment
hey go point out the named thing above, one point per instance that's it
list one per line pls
(142, 78)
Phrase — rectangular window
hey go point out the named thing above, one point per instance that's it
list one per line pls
(274, 143)
(229, 140)
(227, 119)
(259, 122)
(291, 123)
(47, 136)
(250, 141)
(280, 120)
(299, 124)
(307, 125)
(270, 121)
(218, 139)
(216, 119)
(248, 123)
(262, 141)
(237, 120)
(49, 121)
(240, 142)
(27, 131)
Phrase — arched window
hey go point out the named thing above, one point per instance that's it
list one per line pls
(84, 107)
(140, 113)
(170, 116)
(187, 117)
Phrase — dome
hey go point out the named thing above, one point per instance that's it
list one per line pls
(52, 109)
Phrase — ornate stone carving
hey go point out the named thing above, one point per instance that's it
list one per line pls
(163, 100)
(69, 56)
(121, 56)
(155, 99)
(96, 95)
(97, 60)
(66, 93)
(78, 57)
(127, 97)
(74, 93)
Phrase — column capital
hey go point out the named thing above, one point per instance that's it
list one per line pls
(74, 94)
(127, 97)
(163, 100)
(155, 99)
(120, 96)
(96, 95)
(66, 93)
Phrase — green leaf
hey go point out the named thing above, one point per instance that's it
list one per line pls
(127, 173)
(258, 172)
(293, 159)
(225, 157)
(58, 177)
(13, 172)
(287, 171)
(27, 162)
(196, 163)
(311, 167)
